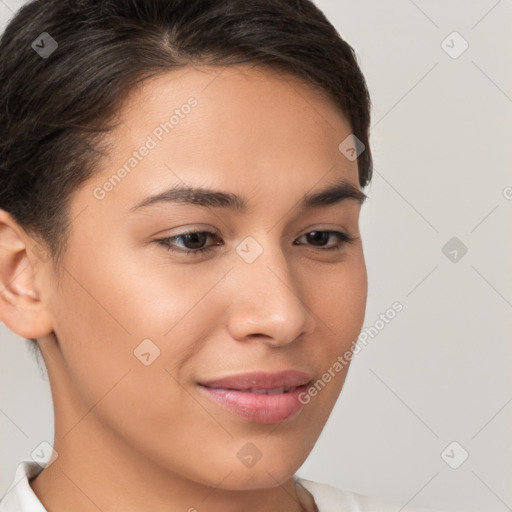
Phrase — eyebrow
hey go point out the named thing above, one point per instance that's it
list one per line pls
(201, 196)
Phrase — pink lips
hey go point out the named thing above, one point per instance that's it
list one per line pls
(259, 396)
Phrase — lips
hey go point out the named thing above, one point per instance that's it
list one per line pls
(261, 397)
(261, 381)
(271, 391)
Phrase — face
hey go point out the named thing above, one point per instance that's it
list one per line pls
(176, 312)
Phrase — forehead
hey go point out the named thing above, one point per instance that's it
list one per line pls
(233, 103)
(238, 127)
(236, 83)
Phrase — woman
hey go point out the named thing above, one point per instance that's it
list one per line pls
(181, 183)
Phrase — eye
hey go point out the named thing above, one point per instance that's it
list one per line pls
(194, 241)
(320, 238)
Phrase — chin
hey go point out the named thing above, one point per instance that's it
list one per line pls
(269, 468)
(262, 478)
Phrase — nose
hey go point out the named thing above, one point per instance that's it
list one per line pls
(269, 302)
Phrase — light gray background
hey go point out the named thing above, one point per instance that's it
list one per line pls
(440, 371)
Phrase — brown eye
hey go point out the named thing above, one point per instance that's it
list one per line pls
(320, 238)
(193, 242)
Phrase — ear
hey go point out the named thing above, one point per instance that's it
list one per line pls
(21, 307)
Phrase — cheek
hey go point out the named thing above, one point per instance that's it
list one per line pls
(118, 314)
(340, 300)
(100, 324)
(339, 304)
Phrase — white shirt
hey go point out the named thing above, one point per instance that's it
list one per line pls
(20, 497)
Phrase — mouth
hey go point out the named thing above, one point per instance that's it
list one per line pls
(271, 391)
(259, 397)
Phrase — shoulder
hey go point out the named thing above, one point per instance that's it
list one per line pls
(332, 499)
(20, 497)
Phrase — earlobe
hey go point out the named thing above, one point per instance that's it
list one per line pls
(21, 307)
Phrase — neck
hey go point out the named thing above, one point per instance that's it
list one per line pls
(103, 476)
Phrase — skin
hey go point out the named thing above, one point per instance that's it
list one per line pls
(142, 438)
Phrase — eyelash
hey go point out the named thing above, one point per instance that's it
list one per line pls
(166, 242)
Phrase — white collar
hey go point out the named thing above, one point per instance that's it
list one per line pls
(20, 497)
